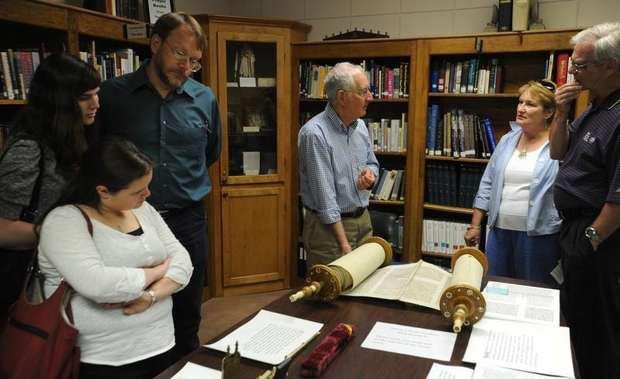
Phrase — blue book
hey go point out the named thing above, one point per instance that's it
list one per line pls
(488, 129)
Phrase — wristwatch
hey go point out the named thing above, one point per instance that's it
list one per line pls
(592, 234)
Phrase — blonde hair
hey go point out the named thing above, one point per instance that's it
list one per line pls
(540, 93)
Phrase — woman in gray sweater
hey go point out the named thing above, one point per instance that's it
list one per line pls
(124, 273)
(43, 152)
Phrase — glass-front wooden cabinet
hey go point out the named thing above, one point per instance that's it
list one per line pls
(252, 76)
(248, 65)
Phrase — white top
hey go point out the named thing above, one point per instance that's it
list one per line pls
(518, 177)
(107, 269)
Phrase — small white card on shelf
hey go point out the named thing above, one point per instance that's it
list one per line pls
(232, 84)
(251, 129)
(247, 82)
(251, 162)
(266, 82)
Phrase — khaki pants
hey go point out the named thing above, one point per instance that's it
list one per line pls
(320, 243)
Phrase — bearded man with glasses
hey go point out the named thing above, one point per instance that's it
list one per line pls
(175, 120)
(587, 196)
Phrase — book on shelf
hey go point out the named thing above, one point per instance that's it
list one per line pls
(504, 17)
(389, 135)
(451, 184)
(520, 14)
(473, 76)
(111, 64)
(442, 237)
(389, 186)
(561, 69)
(17, 68)
(386, 80)
(458, 134)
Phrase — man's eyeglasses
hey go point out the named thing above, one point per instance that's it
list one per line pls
(363, 92)
(181, 56)
(548, 84)
(580, 66)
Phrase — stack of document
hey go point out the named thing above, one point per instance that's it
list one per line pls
(269, 337)
(521, 331)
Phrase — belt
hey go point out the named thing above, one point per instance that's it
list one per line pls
(353, 214)
(573, 213)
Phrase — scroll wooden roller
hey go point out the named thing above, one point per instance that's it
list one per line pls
(327, 282)
(462, 301)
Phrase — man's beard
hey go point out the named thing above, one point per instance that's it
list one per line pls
(163, 77)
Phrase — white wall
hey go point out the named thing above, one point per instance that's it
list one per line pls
(403, 18)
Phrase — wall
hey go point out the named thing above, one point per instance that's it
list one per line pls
(403, 18)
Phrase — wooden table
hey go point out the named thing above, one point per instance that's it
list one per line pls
(354, 361)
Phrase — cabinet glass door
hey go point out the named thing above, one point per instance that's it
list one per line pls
(250, 83)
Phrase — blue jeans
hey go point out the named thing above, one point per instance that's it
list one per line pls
(189, 226)
(514, 254)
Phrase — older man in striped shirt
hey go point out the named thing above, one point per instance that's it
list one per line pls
(337, 168)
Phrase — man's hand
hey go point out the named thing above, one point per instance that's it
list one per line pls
(366, 179)
(565, 95)
(345, 248)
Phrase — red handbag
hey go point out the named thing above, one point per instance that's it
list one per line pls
(39, 341)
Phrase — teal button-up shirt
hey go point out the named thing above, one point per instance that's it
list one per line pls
(181, 133)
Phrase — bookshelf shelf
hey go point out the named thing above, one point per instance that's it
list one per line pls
(387, 202)
(319, 100)
(391, 153)
(448, 209)
(12, 102)
(436, 255)
(474, 95)
(456, 160)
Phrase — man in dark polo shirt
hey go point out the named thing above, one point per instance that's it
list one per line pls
(175, 120)
(587, 196)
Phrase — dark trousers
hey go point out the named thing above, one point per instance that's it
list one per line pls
(189, 227)
(590, 298)
(13, 269)
(145, 369)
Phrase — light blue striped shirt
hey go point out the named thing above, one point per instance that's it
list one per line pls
(331, 156)
(542, 217)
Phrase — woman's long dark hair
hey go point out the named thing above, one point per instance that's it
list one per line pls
(52, 115)
(113, 163)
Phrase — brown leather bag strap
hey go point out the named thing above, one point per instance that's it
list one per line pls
(89, 223)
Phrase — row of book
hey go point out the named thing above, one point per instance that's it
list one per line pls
(452, 184)
(475, 75)
(457, 133)
(113, 63)
(16, 70)
(390, 186)
(388, 134)
(134, 9)
(385, 82)
(559, 66)
(442, 237)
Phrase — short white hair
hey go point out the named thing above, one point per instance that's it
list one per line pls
(605, 38)
(341, 77)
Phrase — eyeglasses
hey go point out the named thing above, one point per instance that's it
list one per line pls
(181, 56)
(363, 92)
(580, 66)
(548, 84)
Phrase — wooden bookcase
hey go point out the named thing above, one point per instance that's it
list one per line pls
(53, 27)
(388, 53)
(248, 212)
(522, 57)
